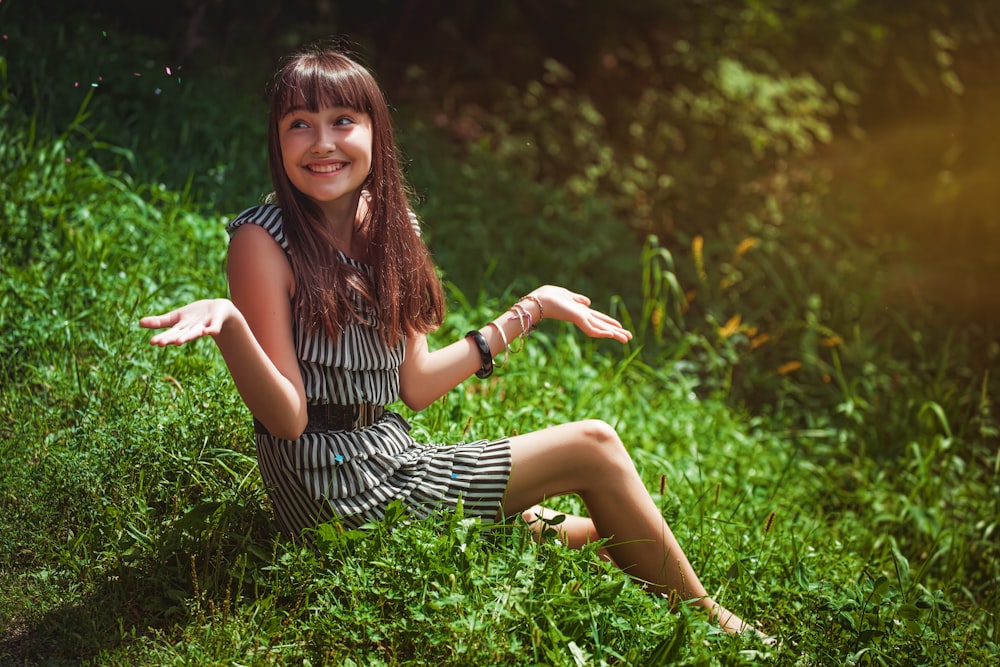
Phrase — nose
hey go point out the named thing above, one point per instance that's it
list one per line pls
(324, 141)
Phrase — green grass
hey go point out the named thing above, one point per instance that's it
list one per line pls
(853, 517)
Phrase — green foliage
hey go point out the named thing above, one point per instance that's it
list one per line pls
(136, 524)
(669, 156)
(852, 509)
(140, 102)
(897, 415)
(477, 209)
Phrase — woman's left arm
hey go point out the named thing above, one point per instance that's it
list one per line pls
(426, 376)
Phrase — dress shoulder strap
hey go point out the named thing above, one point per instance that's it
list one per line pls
(267, 216)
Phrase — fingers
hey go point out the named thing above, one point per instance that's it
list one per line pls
(163, 340)
(184, 333)
(605, 326)
(171, 337)
(159, 321)
(606, 318)
(177, 334)
(563, 304)
(195, 320)
(617, 333)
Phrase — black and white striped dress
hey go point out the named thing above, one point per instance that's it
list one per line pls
(354, 475)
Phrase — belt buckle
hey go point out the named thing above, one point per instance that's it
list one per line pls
(364, 415)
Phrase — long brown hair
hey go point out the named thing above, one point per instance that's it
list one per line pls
(406, 292)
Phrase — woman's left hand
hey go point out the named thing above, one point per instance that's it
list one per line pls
(560, 303)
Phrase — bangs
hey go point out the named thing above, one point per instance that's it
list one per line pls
(322, 80)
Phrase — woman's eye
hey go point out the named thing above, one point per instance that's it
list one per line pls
(296, 124)
(344, 120)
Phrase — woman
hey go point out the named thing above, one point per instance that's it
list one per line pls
(333, 293)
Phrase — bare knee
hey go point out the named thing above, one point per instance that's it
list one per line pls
(532, 514)
(599, 431)
(601, 442)
(577, 457)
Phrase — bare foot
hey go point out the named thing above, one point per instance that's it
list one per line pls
(727, 620)
(730, 622)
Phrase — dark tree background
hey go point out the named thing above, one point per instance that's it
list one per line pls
(897, 103)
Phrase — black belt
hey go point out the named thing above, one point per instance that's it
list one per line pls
(333, 417)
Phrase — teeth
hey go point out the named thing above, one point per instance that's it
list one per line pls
(325, 168)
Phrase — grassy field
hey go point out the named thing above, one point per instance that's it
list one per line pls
(848, 504)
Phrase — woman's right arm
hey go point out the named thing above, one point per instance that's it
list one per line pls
(253, 331)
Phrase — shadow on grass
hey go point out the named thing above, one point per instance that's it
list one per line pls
(119, 609)
(152, 594)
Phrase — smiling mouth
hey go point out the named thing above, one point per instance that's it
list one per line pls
(326, 168)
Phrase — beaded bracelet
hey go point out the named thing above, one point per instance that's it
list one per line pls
(526, 314)
(537, 302)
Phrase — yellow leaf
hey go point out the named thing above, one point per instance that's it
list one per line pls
(698, 247)
(730, 327)
(757, 341)
(789, 367)
(745, 246)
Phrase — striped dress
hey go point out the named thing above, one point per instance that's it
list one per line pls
(353, 475)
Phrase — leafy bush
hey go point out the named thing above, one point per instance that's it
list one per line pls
(668, 154)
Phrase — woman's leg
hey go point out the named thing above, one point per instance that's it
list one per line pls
(573, 531)
(588, 458)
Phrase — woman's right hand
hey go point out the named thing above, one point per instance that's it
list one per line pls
(190, 322)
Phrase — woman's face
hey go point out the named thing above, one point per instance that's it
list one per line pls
(327, 155)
